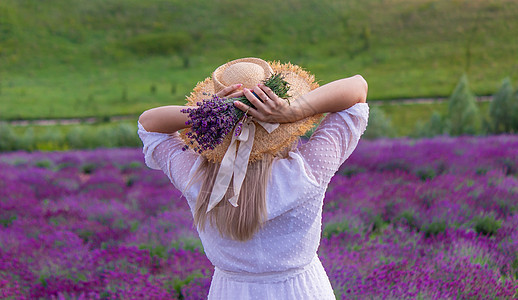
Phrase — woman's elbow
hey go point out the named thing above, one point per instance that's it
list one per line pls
(143, 119)
(363, 88)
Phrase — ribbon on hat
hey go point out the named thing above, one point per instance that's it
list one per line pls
(235, 161)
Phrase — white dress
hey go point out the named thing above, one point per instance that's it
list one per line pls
(280, 261)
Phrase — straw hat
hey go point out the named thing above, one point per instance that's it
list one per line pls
(250, 72)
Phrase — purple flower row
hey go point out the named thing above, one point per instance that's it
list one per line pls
(403, 219)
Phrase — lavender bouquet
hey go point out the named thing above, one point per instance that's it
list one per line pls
(215, 117)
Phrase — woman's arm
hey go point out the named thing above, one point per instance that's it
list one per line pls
(169, 119)
(164, 119)
(332, 97)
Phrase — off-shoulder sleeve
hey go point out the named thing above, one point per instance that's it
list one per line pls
(333, 141)
(164, 152)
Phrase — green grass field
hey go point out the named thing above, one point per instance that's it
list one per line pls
(405, 117)
(72, 58)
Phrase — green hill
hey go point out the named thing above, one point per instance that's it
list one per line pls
(72, 58)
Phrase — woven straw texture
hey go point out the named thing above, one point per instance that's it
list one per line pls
(247, 71)
(301, 82)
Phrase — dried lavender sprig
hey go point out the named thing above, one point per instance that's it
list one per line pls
(210, 122)
(214, 118)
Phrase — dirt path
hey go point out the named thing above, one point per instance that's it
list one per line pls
(423, 100)
(71, 121)
(92, 120)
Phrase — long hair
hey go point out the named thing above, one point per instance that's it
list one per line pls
(241, 222)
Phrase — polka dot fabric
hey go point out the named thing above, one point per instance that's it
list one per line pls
(280, 261)
(334, 141)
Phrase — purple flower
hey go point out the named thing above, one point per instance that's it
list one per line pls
(211, 121)
(99, 225)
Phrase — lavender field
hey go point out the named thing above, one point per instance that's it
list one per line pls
(403, 219)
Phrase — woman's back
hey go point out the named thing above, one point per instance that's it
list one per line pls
(285, 247)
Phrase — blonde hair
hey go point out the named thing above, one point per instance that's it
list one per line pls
(241, 222)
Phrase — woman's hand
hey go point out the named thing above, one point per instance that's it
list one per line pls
(230, 91)
(270, 108)
(332, 97)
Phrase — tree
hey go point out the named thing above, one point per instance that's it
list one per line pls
(435, 126)
(8, 140)
(514, 115)
(501, 109)
(463, 113)
(379, 125)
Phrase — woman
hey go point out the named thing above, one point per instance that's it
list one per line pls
(257, 197)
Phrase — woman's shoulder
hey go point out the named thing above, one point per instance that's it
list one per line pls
(294, 167)
(291, 185)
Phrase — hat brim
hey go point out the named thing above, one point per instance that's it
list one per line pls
(301, 82)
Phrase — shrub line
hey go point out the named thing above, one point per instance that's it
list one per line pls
(93, 120)
(71, 121)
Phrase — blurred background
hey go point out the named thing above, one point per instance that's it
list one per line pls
(404, 218)
(76, 74)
